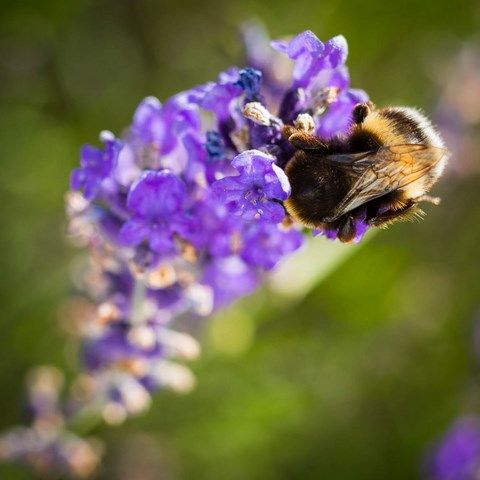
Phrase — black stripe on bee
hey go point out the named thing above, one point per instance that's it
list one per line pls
(409, 123)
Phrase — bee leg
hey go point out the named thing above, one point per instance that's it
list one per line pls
(429, 199)
(361, 111)
(302, 140)
(404, 214)
(346, 230)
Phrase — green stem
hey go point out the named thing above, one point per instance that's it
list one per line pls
(139, 290)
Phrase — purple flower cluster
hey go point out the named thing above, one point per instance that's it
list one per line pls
(184, 214)
(46, 444)
(321, 83)
(185, 211)
(457, 456)
(317, 81)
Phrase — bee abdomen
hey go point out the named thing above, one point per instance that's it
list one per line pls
(411, 126)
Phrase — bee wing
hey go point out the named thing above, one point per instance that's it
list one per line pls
(383, 171)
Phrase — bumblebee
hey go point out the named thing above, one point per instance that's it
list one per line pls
(375, 175)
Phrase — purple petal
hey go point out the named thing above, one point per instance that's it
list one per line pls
(280, 45)
(148, 123)
(457, 457)
(337, 50)
(265, 244)
(96, 166)
(305, 42)
(90, 157)
(230, 278)
(126, 170)
(250, 158)
(218, 96)
(156, 194)
(279, 186)
(338, 118)
(197, 158)
(161, 241)
(229, 188)
(339, 78)
(271, 212)
(77, 179)
(134, 232)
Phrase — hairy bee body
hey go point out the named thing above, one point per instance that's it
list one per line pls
(378, 173)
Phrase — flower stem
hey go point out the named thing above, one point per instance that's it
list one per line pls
(137, 309)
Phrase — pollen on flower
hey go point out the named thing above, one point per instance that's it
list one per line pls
(108, 312)
(256, 112)
(305, 122)
(163, 276)
(189, 252)
(324, 98)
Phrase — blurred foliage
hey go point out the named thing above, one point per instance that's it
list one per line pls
(352, 380)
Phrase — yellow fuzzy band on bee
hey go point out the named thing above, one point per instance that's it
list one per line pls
(296, 215)
(383, 129)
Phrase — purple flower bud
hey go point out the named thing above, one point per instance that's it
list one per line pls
(96, 166)
(215, 146)
(250, 81)
(217, 97)
(457, 456)
(148, 122)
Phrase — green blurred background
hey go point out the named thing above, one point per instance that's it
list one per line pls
(350, 376)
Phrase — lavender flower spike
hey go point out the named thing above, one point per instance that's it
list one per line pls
(182, 216)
